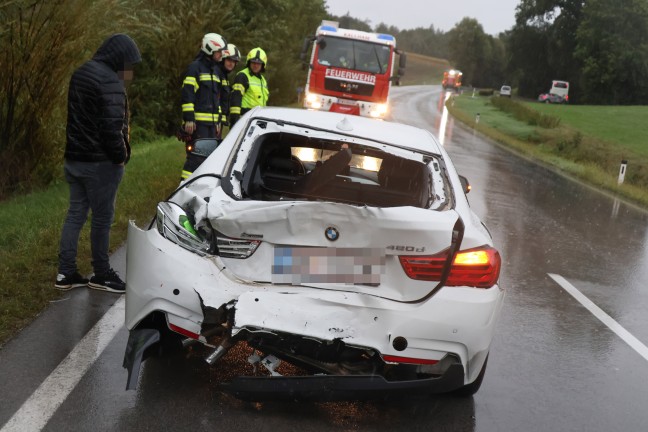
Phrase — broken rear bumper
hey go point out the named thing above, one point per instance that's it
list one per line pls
(337, 388)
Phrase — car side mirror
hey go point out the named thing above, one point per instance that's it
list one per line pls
(465, 184)
(305, 45)
(304, 51)
(204, 147)
(402, 62)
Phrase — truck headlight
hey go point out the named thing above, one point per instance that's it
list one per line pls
(313, 100)
(379, 111)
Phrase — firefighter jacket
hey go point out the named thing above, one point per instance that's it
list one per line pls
(249, 91)
(226, 93)
(97, 121)
(201, 91)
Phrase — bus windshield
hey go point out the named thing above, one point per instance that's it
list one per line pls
(353, 54)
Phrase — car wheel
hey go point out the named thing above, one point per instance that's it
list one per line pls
(472, 388)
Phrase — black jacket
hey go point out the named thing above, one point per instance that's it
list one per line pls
(97, 126)
(226, 92)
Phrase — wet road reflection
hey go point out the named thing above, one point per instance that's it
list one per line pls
(442, 123)
(553, 355)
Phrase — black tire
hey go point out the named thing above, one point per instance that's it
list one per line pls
(470, 389)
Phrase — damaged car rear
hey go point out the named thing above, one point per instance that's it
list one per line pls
(342, 246)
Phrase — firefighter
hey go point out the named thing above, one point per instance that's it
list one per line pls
(231, 57)
(250, 87)
(201, 91)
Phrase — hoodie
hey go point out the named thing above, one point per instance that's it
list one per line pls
(97, 122)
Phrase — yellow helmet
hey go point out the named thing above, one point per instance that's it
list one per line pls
(257, 55)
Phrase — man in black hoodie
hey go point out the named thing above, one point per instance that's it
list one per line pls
(96, 151)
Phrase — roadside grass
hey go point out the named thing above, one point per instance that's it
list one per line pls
(580, 151)
(31, 227)
(494, 118)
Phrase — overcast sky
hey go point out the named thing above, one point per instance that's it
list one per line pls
(495, 16)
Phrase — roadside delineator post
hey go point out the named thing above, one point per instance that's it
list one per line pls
(622, 171)
(477, 119)
(473, 93)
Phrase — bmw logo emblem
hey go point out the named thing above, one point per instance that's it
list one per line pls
(332, 233)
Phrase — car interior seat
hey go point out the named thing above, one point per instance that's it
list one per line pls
(404, 177)
(280, 163)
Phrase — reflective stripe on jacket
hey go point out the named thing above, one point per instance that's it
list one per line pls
(201, 91)
(249, 90)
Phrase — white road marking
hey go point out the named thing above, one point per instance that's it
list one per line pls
(606, 319)
(34, 414)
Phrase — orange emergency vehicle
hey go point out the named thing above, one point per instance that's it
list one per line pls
(452, 79)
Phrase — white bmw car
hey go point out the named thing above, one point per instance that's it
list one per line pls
(341, 246)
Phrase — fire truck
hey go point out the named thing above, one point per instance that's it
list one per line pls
(452, 79)
(350, 71)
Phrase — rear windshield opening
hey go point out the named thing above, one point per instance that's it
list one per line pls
(288, 167)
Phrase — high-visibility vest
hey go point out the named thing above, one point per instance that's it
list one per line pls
(257, 92)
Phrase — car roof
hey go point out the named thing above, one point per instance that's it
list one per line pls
(382, 131)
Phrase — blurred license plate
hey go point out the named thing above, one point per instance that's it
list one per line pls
(297, 265)
(346, 102)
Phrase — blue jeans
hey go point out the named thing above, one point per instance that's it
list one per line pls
(93, 186)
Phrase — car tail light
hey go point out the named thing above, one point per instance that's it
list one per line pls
(174, 225)
(478, 267)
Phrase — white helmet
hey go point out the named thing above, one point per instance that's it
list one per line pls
(232, 52)
(213, 42)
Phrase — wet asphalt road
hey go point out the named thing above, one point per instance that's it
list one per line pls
(554, 366)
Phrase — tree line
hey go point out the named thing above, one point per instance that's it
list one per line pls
(599, 46)
(43, 41)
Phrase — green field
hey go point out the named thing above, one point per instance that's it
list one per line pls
(424, 70)
(589, 142)
(493, 117)
(617, 124)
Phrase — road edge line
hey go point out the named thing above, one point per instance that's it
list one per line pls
(606, 319)
(39, 408)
